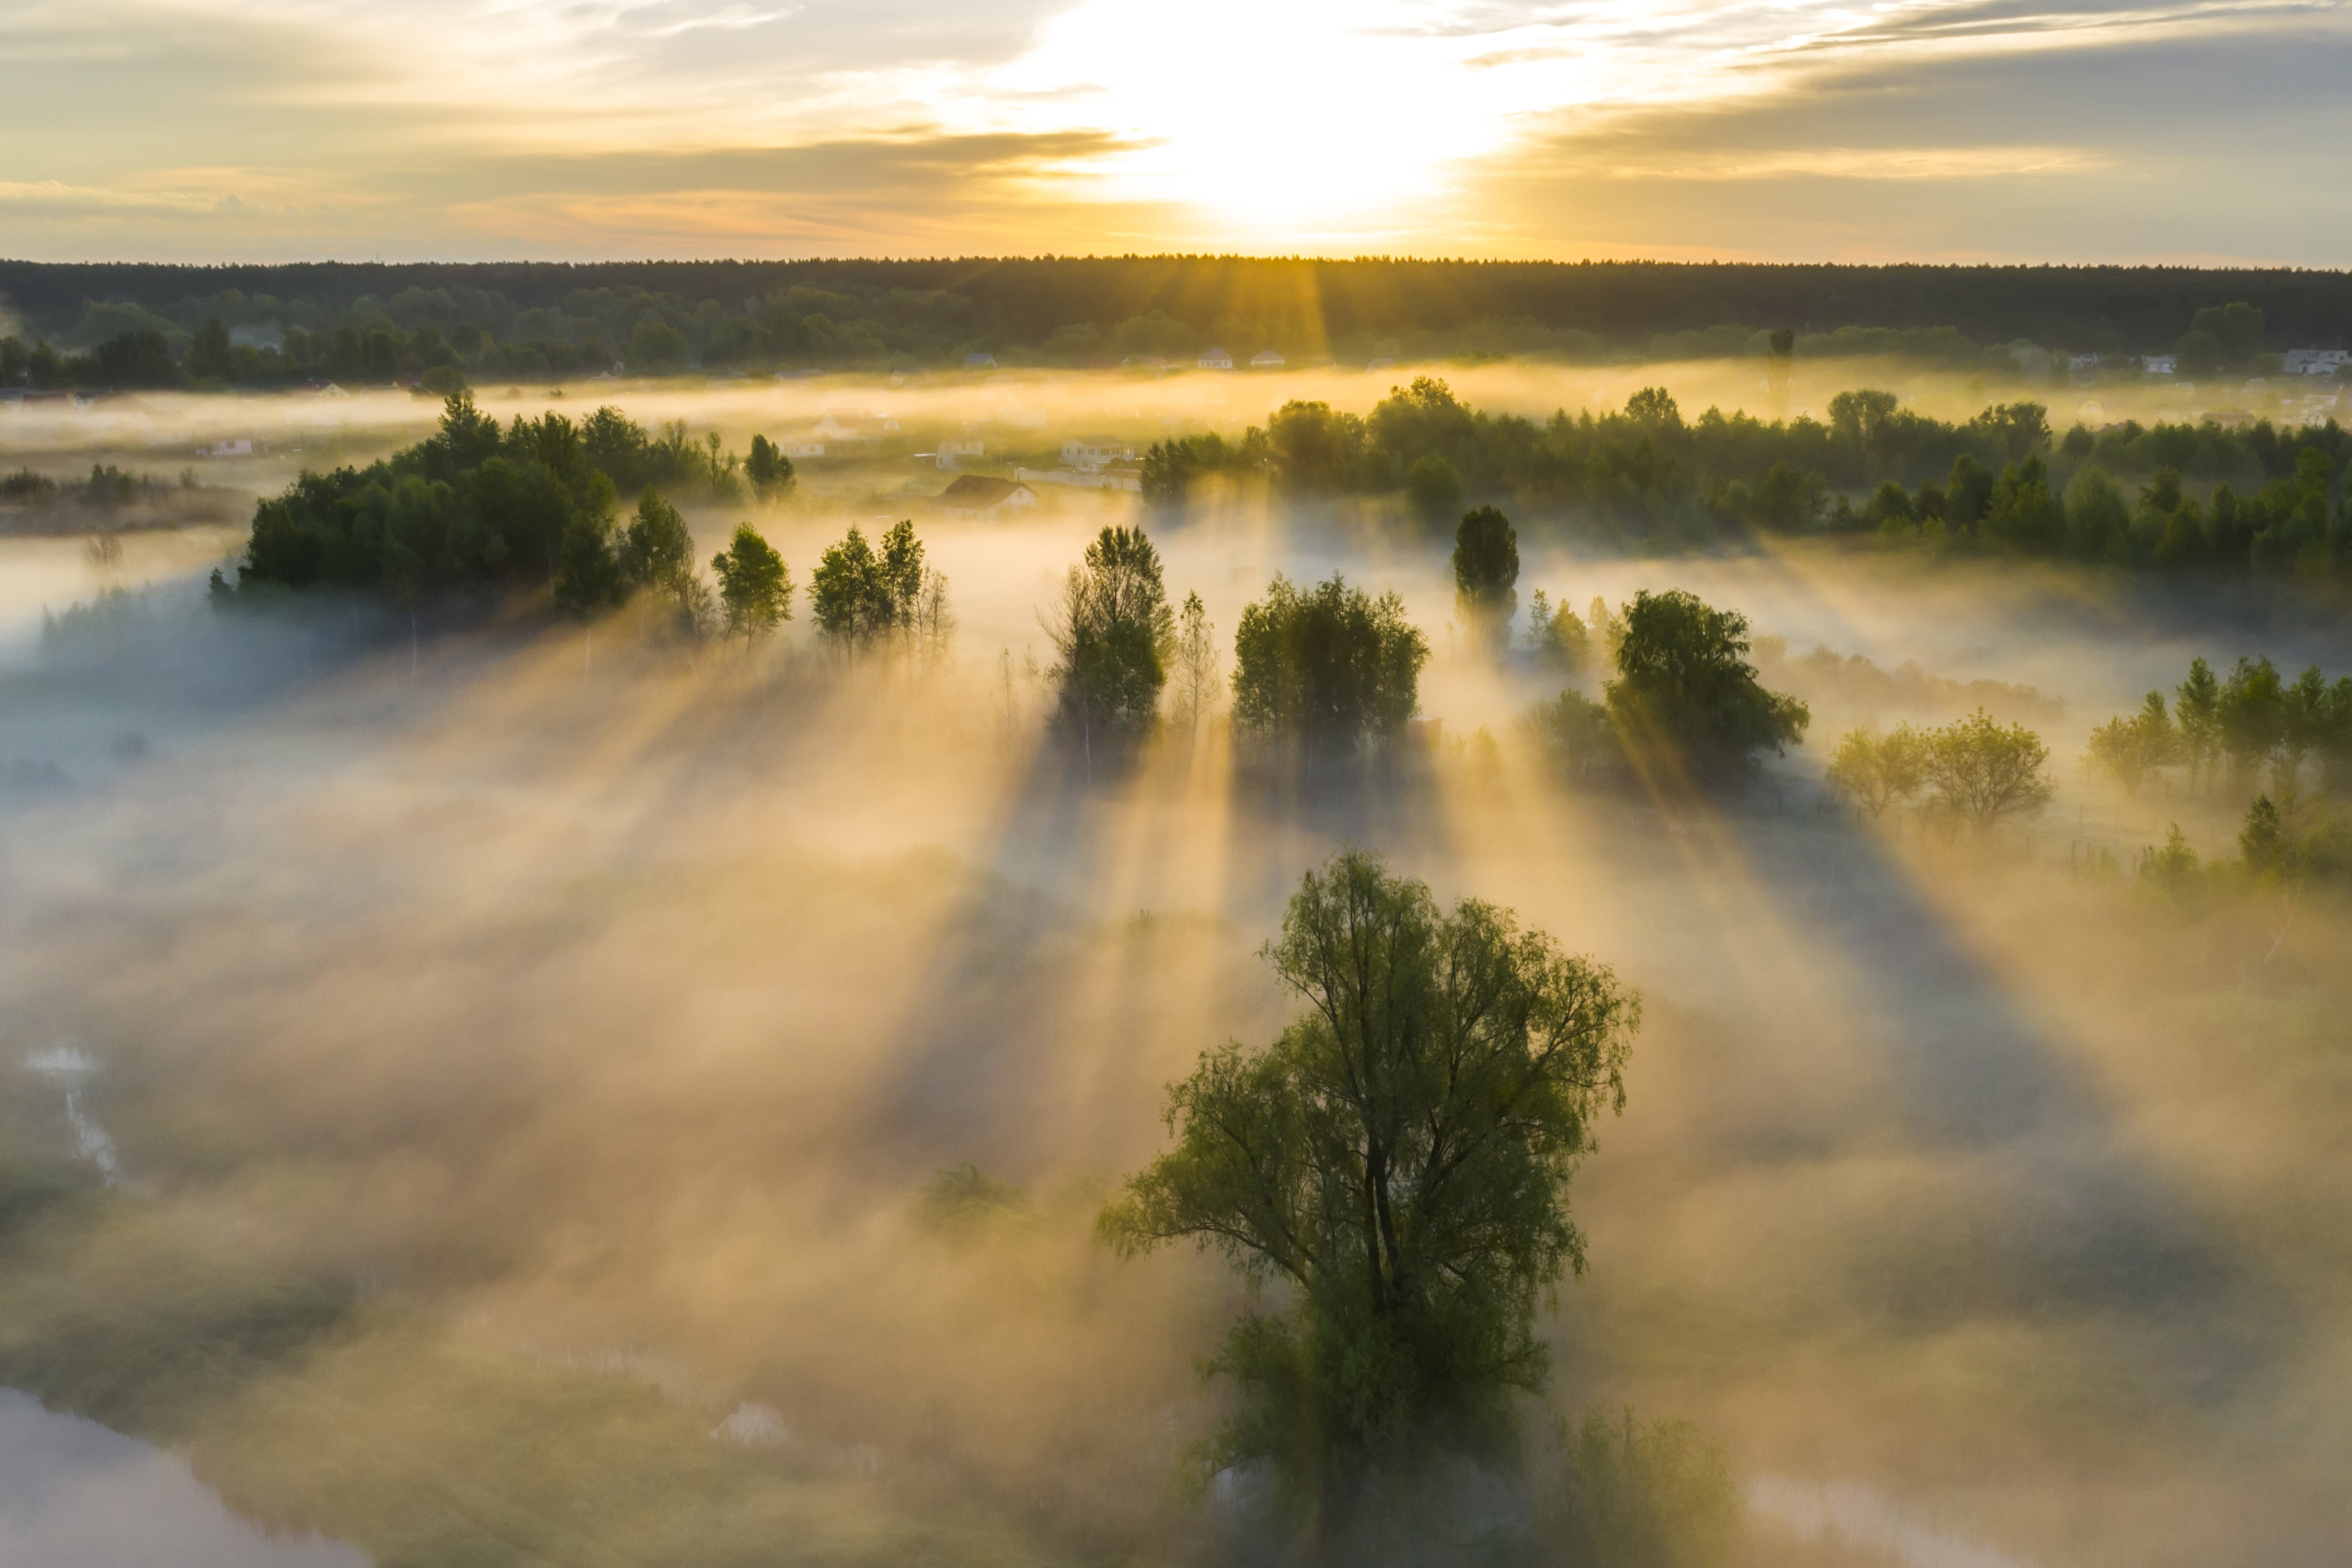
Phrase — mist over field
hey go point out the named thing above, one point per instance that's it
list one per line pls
(626, 1100)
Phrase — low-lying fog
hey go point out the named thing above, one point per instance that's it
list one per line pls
(611, 1012)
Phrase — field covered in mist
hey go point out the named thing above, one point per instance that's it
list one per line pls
(537, 1065)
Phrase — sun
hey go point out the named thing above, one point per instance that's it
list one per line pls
(1270, 116)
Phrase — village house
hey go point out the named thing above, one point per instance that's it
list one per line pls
(1266, 359)
(976, 495)
(2315, 361)
(1216, 358)
(1095, 451)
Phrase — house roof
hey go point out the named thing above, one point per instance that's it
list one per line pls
(979, 490)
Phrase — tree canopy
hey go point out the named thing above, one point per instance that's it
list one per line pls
(1686, 703)
(1399, 1161)
(1486, 570)
(1115, 633)
(1328, 669)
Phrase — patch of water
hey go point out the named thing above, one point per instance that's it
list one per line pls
(74, 1494)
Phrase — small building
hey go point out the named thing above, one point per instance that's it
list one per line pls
(2160, 364)
(1216, 358)
(2315, 361)
(240, 448)
(980, 362)
(1095, 451)
(976, 495)
(1266, 359)
(796, 450)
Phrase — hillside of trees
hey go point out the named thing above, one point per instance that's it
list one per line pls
(157, 325)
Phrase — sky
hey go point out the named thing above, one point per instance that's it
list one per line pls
(2064, 131)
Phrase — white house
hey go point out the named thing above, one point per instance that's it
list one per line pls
(963, 447)
(1094, 451)
(1216, 358)
(980, 362)
(2315, 361)
(1266, 359)
(227, 449)
(2160, 364)
(976, 495)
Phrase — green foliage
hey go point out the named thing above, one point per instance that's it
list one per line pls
(473, 504)
(658, 549)
(589, 575)
(2128, 749)
(1432, 490)
(1487, 572)
(1647, 1495)
(1880, 769)
(1115, 633)
(1171, 467)
(1328, 669)
(863, 597)
(1575, 735)
(1557, 637)
(2173, 870)
(1983, 772)
(1687, 702)
(1194, 669)
(1398, 1161)
(2251, 713)
(755, 589)
(769, 471)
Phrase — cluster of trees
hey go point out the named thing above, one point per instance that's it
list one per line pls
(1317, 672)
(2239, 732)
(1975, 770)
(2251, 720)
(1686, 708)
(107, 486)
(524, 320)
(866, 598)
(478, 504)
(2000, 482)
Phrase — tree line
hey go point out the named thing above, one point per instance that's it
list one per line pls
(2252, 733)
(531, 503)
(2000, 483)
(940, 308)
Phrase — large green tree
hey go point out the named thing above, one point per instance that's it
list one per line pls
(1397, 1164)
(1486, 573)
(754, 586)
(1328, 669)
(1687, 701)
(862, 595)
(1115, 632)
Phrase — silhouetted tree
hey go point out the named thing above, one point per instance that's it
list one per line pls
(755, 589)
(1328, 669)
(1687, 701)
(1399, 1159)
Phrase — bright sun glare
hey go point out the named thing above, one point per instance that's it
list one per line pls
(1329, 113)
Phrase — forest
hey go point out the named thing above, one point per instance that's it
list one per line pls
(129, 326)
